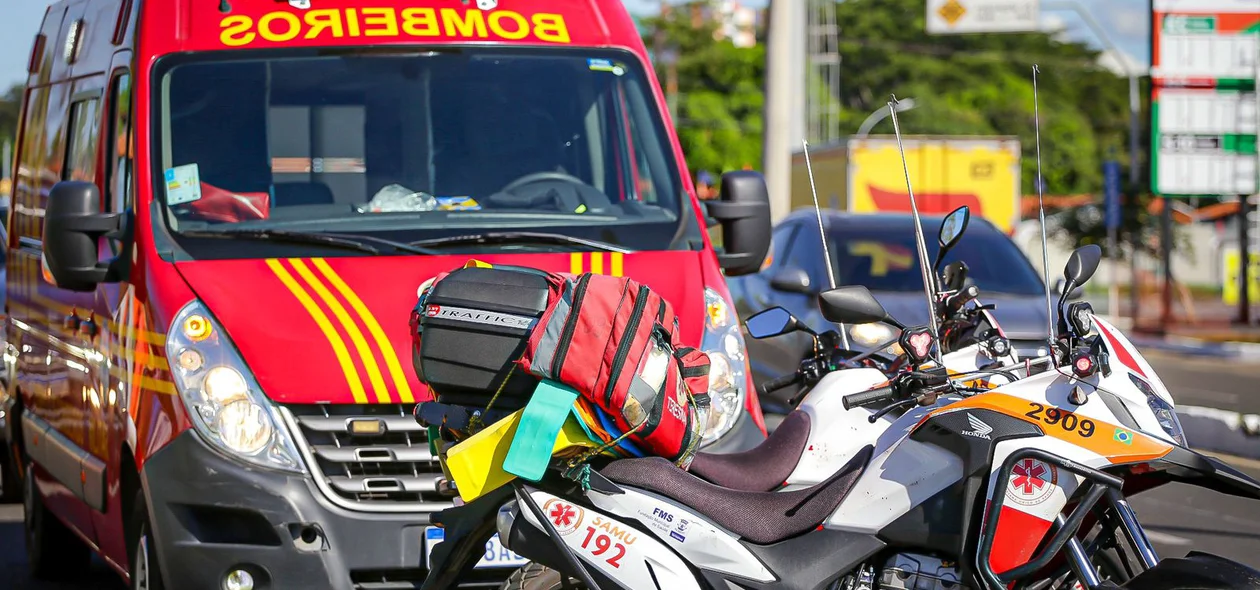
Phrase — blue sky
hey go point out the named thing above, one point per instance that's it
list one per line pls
(1125, 20)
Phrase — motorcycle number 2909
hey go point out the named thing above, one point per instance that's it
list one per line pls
(1061, 418)
(602, 545)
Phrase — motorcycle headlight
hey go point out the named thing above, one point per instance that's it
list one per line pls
(871, 335)
(1165, 413)
(728, 366)
(227, 405)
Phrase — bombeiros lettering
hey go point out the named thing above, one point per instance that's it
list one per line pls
(324, 24)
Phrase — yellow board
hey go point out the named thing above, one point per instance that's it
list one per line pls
(476, 464)
(946, 173)
(1229, 290)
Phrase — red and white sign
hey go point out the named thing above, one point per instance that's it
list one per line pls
(1032, 482)
(564, 516)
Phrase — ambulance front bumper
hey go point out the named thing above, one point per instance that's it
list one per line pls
(212, 515)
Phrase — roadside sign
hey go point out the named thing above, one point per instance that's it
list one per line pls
(1229, 290)
(1204, 112)
(982, 173)
(948, 17)
(1111, 194)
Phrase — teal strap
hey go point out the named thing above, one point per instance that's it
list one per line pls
(544, 416)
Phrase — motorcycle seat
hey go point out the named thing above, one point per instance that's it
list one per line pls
(762, 468)
(759, 517)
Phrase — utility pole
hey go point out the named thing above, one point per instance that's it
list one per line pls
(1165, 247)
(666, 56)
(780, 72)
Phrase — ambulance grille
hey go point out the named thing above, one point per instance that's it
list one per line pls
(390, 470)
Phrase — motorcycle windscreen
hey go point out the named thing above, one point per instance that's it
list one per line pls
(1031, 497)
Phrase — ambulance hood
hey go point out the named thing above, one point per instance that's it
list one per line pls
(335, 330)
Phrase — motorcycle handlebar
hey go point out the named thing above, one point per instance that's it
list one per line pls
(873, 397)
(955, 302)
(780, 383)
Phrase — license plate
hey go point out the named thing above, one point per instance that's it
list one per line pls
(496, 555)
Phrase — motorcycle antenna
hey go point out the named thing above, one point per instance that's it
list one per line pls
(822, 234)
(920, 243)
(1041, 214)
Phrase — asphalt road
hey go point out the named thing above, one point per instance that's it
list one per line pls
(1178, 518)
(1202, 381)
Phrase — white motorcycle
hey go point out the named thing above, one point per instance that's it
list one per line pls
(1020, 485)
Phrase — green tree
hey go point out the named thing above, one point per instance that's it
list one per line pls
(720, 99)
(982, 84)
(10, 108)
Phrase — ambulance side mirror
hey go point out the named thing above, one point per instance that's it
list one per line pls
(743, 210)
(73, 227)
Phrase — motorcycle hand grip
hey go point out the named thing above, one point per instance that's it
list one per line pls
(954, 302)
(780, 383)
(873, 397)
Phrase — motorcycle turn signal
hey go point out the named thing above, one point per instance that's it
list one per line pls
(917, 342)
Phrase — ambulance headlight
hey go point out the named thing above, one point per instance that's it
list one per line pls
(728, 366)
(227, 406)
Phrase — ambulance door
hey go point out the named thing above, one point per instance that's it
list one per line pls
(121, 365)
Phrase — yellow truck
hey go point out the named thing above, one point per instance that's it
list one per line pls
(865, 175)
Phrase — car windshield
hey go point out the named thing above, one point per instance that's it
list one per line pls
(416, 145)
(885, 259)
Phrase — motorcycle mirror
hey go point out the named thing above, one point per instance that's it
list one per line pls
(1082, 265)
(771, 322)
(955, 275)
(1079, 269)
(952, 228)
(853, 304)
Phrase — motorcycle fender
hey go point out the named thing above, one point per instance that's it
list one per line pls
(1187, 466)
(691, 535)
(466, 528)
(1197, 570)
(614, 548)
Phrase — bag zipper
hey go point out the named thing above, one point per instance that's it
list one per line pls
(665, 395)
(627, 339)
(570, 325)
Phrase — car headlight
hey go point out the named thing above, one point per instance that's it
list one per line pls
(871, 335)
(1165, 413)
(227, 405)
(728, 365)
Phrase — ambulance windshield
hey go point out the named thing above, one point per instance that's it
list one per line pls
(412, 145)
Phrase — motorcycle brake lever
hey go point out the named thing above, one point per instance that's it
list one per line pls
(890, 407)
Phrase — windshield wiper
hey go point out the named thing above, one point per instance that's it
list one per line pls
(343, 241)
(522, 237)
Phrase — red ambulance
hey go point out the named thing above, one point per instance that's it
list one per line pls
(222, 212)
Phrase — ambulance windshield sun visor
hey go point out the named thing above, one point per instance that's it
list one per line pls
(409, 143)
